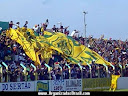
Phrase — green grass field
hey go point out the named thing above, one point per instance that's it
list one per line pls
(121, 90)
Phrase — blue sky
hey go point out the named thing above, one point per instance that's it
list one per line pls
(108, 17)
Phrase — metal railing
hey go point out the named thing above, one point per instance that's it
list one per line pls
(69, 70)
(1, 73)
(106, 67)
(49, 69)
(121, 68)
(81, 69)
(24, 71)
(35, 73)
(90, 70)
(4, 66)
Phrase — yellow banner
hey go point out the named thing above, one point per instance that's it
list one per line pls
(19, 38)
(35, 45)
(73, 50)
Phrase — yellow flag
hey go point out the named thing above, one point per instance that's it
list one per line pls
(114, 82)
(72, 50)
(27, 47)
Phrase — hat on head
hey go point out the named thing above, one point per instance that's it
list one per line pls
(14, 45)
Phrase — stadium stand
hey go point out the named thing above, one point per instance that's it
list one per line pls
(13, 55)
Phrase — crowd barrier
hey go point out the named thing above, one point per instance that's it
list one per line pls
(58, 85)
(96, 84)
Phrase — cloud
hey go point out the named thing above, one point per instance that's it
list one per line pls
(45, 1)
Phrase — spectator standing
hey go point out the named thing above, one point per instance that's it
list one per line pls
(73, 32)
(58, 74)
(35, 28)
(17, 25)
(51, 62)
(54, 29)
(61, 29)
(46, 23)
(25, 25)
(44, 26)
(53, 75)
(76, 35)
(66, 32)
(65, 72)
(11, 24)
(39, 29)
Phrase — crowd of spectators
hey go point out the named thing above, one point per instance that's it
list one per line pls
(114, 51)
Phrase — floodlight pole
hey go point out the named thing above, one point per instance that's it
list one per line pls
(85, 26)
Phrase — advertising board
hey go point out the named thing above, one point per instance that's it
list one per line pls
(17, 86)
(73, 85)
(96, 84)
(42, 85)
(57, 85)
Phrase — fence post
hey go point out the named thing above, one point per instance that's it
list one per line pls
(99, 75)
(49, 69)
(112, 66)
(35, 73)
(125, 67)
(127, 64)
(121, 69)
(106, 67)
(69, 70)
(6, 66)
(25, 72)
(81, 70)
(90, 69)
(61, 72)
(1, 73)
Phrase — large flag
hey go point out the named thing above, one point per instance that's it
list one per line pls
(19, 38)
(73, 50)
(70, 49)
